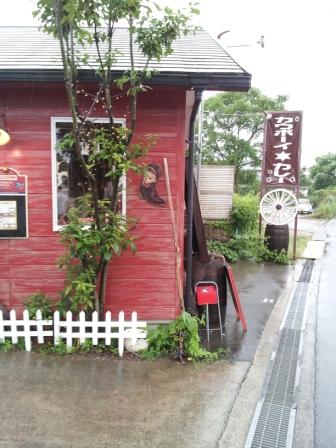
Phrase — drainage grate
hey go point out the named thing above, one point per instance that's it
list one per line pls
(281, 384)
(273, 433)
(272, 418)
(307, 271)
(294, 318)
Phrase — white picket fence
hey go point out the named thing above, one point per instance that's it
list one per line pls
(64, 329)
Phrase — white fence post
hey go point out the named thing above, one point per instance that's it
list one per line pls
(108, 328)
(56, 327)
(68, 329)
(2, 336)
(39, 327)
(26, 326)
(65, 329)
(121, 339)
(95, 328)
(82, 327)
(13, 325)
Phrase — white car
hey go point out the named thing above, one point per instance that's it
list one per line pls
(305, 206)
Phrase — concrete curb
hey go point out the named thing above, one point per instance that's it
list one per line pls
(304, 430)
(304, 423)
(252, 388)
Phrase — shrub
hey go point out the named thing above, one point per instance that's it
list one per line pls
(247, 246)
(39, 301)
(316, 196)
(6, 346)
(245, 242)
(326, 203)
(179, 339)
(244, 213)
(222, 224)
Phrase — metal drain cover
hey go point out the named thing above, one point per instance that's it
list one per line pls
(273, 422)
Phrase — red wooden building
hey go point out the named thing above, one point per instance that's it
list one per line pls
(33, 104)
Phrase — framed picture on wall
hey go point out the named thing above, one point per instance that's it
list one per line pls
(13, 204)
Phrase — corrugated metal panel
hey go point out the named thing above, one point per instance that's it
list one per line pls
(216, 191)
(29, 48)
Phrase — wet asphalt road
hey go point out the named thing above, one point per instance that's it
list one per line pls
(87, 402)
(325, 376)
(259, 286)
(307, 224)
(63, 402)
(84, 402)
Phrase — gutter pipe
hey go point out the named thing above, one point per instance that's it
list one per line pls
(189, 298)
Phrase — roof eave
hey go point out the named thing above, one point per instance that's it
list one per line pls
(240, 82)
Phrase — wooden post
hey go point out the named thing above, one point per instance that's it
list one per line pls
(294, 237)
(296, 221)
(176, 243)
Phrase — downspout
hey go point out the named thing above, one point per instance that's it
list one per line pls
(189, 299)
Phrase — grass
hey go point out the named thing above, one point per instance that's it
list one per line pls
(327, 209)
(301, 243)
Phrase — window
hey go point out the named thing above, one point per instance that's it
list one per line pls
(67, 179)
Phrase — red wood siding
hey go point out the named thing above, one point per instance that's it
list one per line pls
(145, 282)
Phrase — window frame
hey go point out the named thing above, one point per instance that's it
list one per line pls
(54, 121)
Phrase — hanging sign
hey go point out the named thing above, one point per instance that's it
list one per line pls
(13, 204)
(282, 141)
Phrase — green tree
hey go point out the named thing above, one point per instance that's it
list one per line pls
(305, 179)
(248, 181)
(85, 30)
(323, 173)
(233, 125)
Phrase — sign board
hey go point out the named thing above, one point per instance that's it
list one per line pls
(282, 141)
(13, 204)
(281, 157)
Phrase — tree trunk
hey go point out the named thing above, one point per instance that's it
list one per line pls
(236, 180)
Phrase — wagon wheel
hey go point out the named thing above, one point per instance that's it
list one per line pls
(279, 207)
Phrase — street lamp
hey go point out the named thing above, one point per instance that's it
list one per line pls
(260, 41)
(221, 34)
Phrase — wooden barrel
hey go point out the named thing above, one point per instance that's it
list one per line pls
(277, 237)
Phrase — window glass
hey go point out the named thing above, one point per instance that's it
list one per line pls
(69, 179)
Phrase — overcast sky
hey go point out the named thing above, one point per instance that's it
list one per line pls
(298, 59)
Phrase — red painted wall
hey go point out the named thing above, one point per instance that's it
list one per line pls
(144, 282)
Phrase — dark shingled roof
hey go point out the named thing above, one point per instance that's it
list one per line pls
(198, 61)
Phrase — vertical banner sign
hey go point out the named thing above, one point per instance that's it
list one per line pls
(13, 204)
(282, 141)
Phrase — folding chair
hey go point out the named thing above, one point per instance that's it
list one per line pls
(207, 294)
